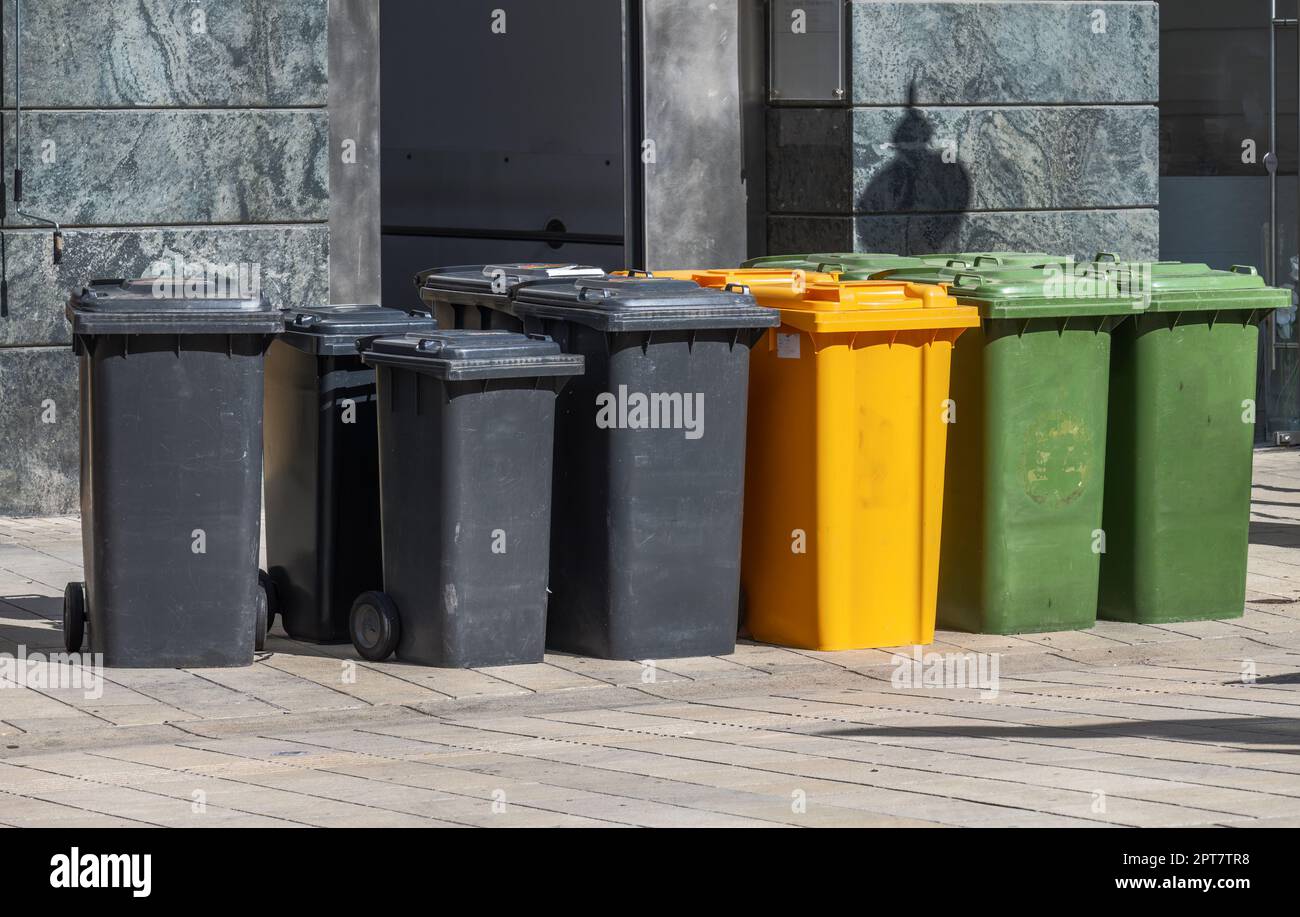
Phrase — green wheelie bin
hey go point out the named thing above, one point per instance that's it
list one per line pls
(1023, 488)
(1178, 455)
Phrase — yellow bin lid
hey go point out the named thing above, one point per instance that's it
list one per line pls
(819, 303)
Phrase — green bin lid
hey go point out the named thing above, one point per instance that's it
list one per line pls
(922, 273)
(1177, 286)
(1050, 291)
(986, 260)
(836, 261)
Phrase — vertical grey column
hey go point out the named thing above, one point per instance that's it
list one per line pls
(354, 151)
(695, 203)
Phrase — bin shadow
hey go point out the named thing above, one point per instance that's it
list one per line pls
(277, 641)
(1276, 489)
(918, 180)
(33, 622)
(1248, 731)
(47, 606)
(1276, 534)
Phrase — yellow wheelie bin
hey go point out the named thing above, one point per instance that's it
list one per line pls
(848, 406)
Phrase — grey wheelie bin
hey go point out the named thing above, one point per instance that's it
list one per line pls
(171, 469)
(650, 463)
(466, 420)
(322, 466)
(478, 296)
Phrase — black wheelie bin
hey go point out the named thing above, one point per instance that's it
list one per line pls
(466, 420)
(478, 296)
(322, 466)
(171, 468)
(650, 463)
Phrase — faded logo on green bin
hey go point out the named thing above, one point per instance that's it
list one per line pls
(1058, 460)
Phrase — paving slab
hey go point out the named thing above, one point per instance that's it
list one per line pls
(1121, 724)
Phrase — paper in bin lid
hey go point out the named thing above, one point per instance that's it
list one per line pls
(498, 279)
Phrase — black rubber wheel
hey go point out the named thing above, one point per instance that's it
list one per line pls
(74, 616)
(261, 625)
(267, 582)
(374, 626)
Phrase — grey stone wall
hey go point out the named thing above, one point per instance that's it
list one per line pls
(155, 129)
(1027, 125)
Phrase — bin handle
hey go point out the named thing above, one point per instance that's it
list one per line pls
(956, 262)
(1106, 256)
(836, 267)
(987, 259)
(741, 288)
(1244, 269)
(638, 272)
(967, 275)
(302, 319)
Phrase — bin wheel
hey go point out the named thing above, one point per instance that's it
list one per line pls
(74, 616)
(261, 623)
(374, 626)
(267, 582)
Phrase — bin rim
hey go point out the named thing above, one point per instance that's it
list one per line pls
(325, 331)
(138, 306)
(822, 302)
(476, 280)
(459, 355)
(1178, 286)
(1045, 291)
(644, 303)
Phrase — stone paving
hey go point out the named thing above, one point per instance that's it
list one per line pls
(1118, 725)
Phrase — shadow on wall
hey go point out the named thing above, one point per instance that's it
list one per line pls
(922, 176)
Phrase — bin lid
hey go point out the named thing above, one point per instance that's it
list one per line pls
(923, 273)
(644, 303)
(720, 278)
(1176, 286)
(161, 306)
(1046, 291)
(838, 262)
(480, 280)
(335, 330)
(458, 355)
(821, 302)
(992, 259)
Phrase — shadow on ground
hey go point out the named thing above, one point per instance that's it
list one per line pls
(1244, 730)
(1278, 534)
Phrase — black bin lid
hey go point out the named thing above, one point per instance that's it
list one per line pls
(645, 304)
(161, 306)
(476, 281)
(334, 330)
(463, 355)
